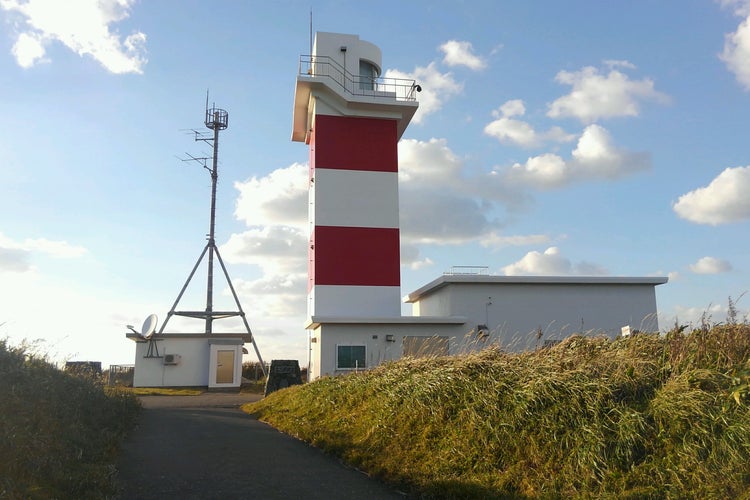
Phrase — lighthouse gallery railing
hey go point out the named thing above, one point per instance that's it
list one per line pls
(400, 89)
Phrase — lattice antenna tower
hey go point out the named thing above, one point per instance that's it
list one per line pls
(216, 120)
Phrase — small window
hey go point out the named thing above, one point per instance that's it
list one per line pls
(350, 357)
(367, 75)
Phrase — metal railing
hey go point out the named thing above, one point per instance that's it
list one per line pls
(473, 270)
(400, 89)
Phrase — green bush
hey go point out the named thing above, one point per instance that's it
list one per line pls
(59, 433)
(645, 416)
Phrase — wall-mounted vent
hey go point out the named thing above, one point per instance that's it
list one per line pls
(172, 359)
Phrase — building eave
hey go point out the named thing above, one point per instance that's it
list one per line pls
(316, 321)
(308, 87)
(246, 337)
(447, 279)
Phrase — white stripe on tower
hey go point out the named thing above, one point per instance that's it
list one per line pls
(354, 242)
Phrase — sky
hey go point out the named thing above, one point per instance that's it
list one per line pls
(552, 138)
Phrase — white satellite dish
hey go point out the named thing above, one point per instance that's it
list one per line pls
(149, 326)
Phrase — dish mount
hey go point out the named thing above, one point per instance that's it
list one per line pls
(147, 333)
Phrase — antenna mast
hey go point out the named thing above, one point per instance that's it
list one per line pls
(217, 120)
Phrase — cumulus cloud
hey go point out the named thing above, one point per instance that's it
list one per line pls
(459, 53)
(278, 198)
(507, 129)
(437, 87)
(440, 203)
(281, 254)
(277, 250)
(87, 33)
(596, 95)
(723, 201)
(736, 53)
(550, 262)
(594, 158)
(710, 265)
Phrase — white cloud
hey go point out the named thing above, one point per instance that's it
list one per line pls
(277, 250)
(28, 50)
(549, 263)
(595, 96)
(428, 163)
(437, 87)
(594, 158)
(15, 253)
(723, 201)
(736, 53)
(458, 53)
(543, 171)
(710, 265)
(513, 131)
(278, 198)
(85, 33)
(509, 130)
(514, 107)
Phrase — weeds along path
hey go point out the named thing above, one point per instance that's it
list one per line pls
(206, 447)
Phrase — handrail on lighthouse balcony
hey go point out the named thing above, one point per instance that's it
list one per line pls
(326, 67)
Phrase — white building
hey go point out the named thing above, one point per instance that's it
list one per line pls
(352, 120)
(189, 360)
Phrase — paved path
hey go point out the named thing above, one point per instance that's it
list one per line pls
(204, 447)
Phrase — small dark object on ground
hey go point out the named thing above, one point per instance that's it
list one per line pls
(283, 373)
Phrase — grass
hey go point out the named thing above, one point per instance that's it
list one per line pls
(162, 391)
(647, 416)
(59, 433)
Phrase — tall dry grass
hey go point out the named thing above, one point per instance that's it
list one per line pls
(58, 432)
(640, 417)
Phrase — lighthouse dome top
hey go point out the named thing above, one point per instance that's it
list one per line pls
(348, 51)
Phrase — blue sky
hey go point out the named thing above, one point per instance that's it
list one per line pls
(563, 138)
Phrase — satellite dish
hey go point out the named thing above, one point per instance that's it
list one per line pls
(149, 326)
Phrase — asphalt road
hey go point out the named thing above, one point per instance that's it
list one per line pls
(205, 447)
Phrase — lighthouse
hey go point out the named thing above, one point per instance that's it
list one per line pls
(352, 119)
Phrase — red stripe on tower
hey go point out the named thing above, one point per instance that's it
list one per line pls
(359, 256)
(355, 143)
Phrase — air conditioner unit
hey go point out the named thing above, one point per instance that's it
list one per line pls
(172, 359)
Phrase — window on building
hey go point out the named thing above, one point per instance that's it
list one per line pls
(368, 73)
(422, 347)
(350, 357)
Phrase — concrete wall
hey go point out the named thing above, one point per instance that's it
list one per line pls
(330, 44)
(192, 369)
(383, 342)
(514, 312)
(197, 364)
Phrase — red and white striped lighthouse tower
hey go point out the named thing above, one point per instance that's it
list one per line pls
(352, 120)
